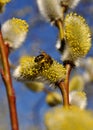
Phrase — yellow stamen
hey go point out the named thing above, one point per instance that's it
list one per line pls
(19, 25)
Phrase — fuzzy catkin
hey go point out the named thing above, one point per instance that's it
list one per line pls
(14, 32)
(3, 4)
(26, 70)
(78, 37)
(62, 118)
(78, 98)
(50, 9)
(28, 67)
(4, 1)
(55, 73)
(69, 3)
(29, 70)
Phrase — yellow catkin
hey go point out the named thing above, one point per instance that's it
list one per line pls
(78, 98)
(4, 1)
(19, 25)
(49, 70)
(55, 72)
(68, 119)
(82, 95)
(78, 35)
(53, 98)
(35, 86)
(28, 68)
(2, 5)
(76, 83)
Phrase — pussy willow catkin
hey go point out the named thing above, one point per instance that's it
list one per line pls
(77, 38)
(39, 68)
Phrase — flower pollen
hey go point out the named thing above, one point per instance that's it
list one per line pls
(19, 25)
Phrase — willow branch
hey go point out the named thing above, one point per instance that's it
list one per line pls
(6, 76)
(64, 86)
(63, 90)
(60, 26)
(68, 70)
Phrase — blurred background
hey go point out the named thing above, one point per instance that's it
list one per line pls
(31, 106)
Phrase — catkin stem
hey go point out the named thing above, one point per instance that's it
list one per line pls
(68, 70)
(64, 93)
(60, 26)
(6, 76)
(64, 86)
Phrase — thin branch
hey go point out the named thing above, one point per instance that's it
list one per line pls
(64, 93)
(60, 26)
(8, 84)
(68, 70)
(64, 86)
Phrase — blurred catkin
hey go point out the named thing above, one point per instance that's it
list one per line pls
(69, 3)
(72, 118)
(76, 83)
(50, 9)
(3, 4)
(53, 99)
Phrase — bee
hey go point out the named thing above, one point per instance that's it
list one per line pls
(43, 58)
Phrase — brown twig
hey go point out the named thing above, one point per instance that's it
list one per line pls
(64, 93)
(64, 86)
(68, 70)
(60, 26)
(6, 76)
